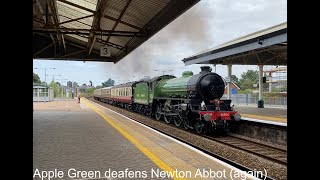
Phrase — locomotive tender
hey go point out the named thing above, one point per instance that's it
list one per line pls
(191, 101)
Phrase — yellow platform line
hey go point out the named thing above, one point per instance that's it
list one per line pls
(143, 149)
(264, 117)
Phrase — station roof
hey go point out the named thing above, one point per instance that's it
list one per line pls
(265, 47)
(76, 29)
(40, 86)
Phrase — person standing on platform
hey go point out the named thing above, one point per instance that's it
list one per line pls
(79, 96)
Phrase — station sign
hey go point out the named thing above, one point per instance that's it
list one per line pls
(105, 51)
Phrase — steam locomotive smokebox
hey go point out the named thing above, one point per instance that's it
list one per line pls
(260, 104)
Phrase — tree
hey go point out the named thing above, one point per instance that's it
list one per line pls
(36, 78)
(88, 92)
(235, 79)
(108, 83)
(55, 88)
(248, 79)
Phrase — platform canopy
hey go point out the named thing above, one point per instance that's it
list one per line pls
(265, 47)
(98, 30)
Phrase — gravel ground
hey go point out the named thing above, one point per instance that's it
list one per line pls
(258, 141)
(274, 170)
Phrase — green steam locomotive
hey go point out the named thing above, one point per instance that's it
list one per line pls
(191, 101)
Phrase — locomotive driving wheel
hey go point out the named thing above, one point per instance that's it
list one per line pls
(167, 119)
(157, 114)
(149, 112)
(185, 124)
(198, 126)
(178, 120)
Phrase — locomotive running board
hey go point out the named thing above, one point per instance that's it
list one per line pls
(169, 114)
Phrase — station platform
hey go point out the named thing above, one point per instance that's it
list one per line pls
(71, 137)
(266, 115)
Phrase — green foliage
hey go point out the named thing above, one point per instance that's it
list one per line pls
(270, 94)
(280, 89)
(245, 91)
(55, 88)
(248, 79)
(36, 78)
(108, 83)
(88, 93)
(99, 86)
(235, 79)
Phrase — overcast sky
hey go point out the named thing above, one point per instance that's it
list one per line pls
(205, 25)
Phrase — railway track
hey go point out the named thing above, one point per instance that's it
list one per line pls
(267, 152)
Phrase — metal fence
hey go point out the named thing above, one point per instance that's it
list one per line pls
(249, 100)
(42, 94)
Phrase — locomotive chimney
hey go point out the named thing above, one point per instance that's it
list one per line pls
(205, 69)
